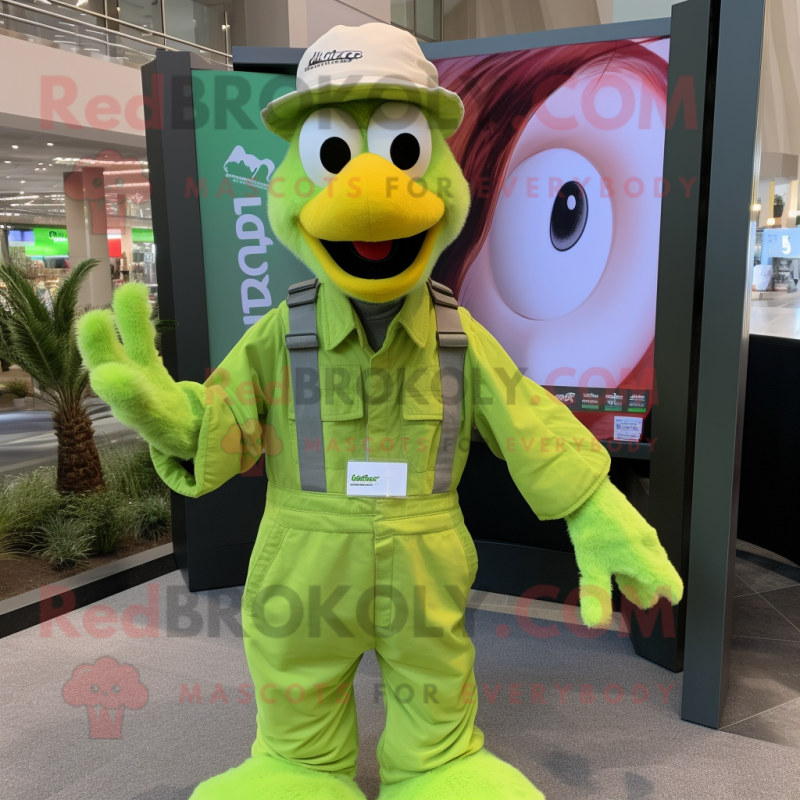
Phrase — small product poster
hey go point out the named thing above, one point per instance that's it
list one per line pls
(590, 399)
(638, 401)
(627, 429)
(614, 400)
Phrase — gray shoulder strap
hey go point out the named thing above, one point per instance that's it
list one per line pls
(303, 345)
(452, 350)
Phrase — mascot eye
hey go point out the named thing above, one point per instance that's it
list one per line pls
(329, 138)
(94, 688)
(116, 688)
(548, 252)
(400, 133)
(569, 216)
(334, 154)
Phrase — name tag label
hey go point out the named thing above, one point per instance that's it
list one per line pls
(377, 478)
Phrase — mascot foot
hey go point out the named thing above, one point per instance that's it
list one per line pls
(265, 778)
(481, 776)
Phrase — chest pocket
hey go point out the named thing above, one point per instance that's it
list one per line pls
(342, 412)
(422, 416)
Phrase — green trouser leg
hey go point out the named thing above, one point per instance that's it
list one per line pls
(333, 576)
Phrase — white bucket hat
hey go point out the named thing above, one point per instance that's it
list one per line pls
(375, 60)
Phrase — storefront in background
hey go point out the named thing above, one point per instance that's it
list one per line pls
(42, 253)
(143, 257)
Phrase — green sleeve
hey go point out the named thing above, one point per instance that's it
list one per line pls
(234, 414)
(556, 463)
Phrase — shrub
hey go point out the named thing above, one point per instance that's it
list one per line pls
(65, 541)
(36, 518)
(130, 472)
(25, 502)
(17, 388)
(97, 514)
(7, 549)
(148, 517)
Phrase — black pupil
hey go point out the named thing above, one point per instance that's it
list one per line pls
(334, 154)
(570, 213)
(404, 151)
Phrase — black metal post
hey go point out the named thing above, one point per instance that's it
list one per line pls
(723, 359)
(681, 262)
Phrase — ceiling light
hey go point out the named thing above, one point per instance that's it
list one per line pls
(40, 163)
(15, 147)
(49, 144)
(22, 181)
(6, 162)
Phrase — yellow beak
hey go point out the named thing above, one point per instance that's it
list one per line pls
(371, 200)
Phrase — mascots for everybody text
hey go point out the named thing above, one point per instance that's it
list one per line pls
(363, 388)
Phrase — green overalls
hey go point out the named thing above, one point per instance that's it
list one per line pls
(334, 575)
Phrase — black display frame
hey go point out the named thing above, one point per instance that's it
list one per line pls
(730, 170)
(214, 534)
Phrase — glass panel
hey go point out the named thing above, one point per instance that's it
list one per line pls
(774, 235)
(145, 13)
(197, 22)
(429, 19)
(403, 13)
(46, 23)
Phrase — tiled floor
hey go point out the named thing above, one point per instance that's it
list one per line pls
(776, 317)
(764, 695)
(534, 609)
(578, 742)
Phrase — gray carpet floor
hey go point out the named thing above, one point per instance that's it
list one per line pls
(580, 744)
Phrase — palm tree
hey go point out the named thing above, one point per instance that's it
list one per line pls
(42, 341)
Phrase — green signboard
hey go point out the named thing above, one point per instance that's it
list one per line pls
(48, 242)
(247, 271)
(142, 234)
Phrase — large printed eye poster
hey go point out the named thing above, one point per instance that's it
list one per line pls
(247, 270)
(563, 148)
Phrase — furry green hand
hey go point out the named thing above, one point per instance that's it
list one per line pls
(132, 379)
(611, 538)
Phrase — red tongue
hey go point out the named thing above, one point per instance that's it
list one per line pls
(374, 251)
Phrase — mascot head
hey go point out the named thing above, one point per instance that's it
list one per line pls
(369, 194)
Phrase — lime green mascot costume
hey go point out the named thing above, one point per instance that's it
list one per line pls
(363, 390)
